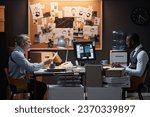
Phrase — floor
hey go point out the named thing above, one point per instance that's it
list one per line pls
(128, 98)
(135, 97)
(131, 96)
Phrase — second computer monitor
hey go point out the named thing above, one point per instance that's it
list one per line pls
(84, 51)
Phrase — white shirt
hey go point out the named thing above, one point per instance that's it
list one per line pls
(142, 59)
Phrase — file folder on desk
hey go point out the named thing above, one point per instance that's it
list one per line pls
(116, 81)
(55, 70)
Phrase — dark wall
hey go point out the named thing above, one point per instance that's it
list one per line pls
(16, 20)
(16, 16)
(116, 16)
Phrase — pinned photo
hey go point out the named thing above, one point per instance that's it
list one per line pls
(36, 11)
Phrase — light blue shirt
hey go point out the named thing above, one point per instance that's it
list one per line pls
(21, 64)
(142, 60)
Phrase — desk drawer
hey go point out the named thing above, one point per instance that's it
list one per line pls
(56, 92)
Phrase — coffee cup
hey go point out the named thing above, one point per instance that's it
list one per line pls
(104, 62)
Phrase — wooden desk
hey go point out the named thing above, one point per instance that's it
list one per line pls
(114, 77)
(79, 71)
(44, 72)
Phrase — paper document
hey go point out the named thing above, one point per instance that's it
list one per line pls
(120, 68)
(56, 53)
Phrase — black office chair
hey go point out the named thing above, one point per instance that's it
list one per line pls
(16, 86)
(136, 85)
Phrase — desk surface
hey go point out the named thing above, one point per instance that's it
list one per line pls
(75, 69)
(78, 70)
(43, 72)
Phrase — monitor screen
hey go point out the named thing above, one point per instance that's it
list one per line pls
(84, 50)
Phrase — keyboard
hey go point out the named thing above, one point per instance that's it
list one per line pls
(55, 70)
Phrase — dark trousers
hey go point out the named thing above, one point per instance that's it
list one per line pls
(3, 85)
(40, 89)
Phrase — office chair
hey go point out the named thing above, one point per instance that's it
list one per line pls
(16, 86)
(136, 85)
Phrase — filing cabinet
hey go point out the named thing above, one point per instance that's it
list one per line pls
(56, 92)
(103, 93)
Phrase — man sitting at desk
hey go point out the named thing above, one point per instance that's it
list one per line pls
(18, 65)
(138, 64)
(138, 61)
(138, 56)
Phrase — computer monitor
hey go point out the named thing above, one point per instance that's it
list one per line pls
(84, 51)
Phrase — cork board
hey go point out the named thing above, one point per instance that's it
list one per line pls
(63, 20)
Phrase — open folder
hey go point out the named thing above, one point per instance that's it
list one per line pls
(56, 58)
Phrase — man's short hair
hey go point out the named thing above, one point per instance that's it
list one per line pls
(135, 38)
(21, 39)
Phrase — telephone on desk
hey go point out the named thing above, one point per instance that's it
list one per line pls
(66, 65)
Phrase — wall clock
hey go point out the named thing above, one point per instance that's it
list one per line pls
(140, 16)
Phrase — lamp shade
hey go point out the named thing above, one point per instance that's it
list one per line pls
(61, 42)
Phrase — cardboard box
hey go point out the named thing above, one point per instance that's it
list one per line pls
(114, 72)
(118, 56)
(39, 56)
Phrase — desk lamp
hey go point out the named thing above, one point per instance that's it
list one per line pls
(62, 44)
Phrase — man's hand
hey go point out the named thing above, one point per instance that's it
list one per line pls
(116, 64)
(47, 62)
